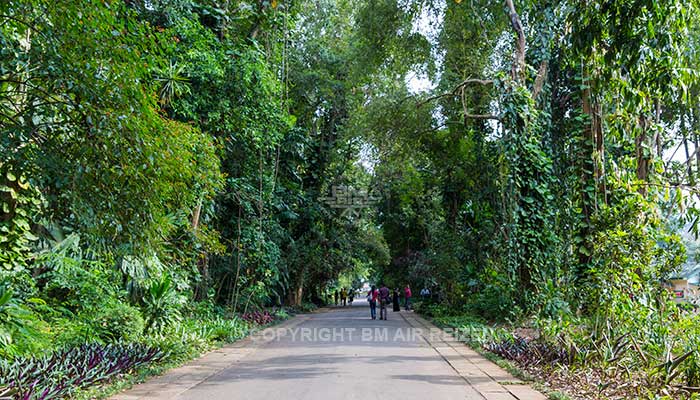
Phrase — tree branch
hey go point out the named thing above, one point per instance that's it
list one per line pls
(519, 65)
(439, 96)
(456, 90)
(483, 116)
(469, 81)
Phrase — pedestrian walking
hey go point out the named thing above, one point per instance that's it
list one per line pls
(335, 296)
(407, 297)
(351, 296)
(372, 299)
(384, 296)
(343, 296)
(395, 300)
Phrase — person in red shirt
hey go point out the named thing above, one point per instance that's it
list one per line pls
(372, 296)
(407, 297)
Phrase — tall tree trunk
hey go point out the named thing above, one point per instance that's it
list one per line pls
(599, 161)
(589, 144)
(643, 157)
(195, 216)
(202, 288)
(296, 290)
(518, 131)
(695, 126)
(689, 164)
(519, 66)
(234, 289)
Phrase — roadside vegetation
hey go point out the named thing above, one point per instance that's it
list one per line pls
(579, 360)
(161, 169)
(546, 184)
(172, 172)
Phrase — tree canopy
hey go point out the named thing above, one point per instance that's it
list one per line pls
(522, 158)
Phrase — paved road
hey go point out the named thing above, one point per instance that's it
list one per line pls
(339, 354)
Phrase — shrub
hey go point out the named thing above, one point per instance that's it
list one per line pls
(161, 305)
(473, 330)
(193, 336)
(281, 314)
(493, 303)
(73, 278)
(304, 307)
(71, 331)
(117, 321)
(204, 309)
(528, 352)
(258, 317)
(20, 327)
(224, 330)
(307, 307)
(432, 309)
(181, 342)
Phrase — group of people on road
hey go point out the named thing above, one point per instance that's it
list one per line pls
(346, 296)
(383, 297)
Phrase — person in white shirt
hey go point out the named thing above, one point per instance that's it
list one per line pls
(425, 293)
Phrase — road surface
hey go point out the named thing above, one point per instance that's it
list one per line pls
(340, 354)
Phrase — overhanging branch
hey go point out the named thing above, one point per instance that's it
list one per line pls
(456, 91)
(483, 116)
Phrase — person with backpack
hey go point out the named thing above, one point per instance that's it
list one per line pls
(372, 299)
(384, 297)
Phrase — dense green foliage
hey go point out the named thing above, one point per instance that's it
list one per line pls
(167, 162)
(541, 181)
(155, 154)
(163, 170)
(528, 176)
